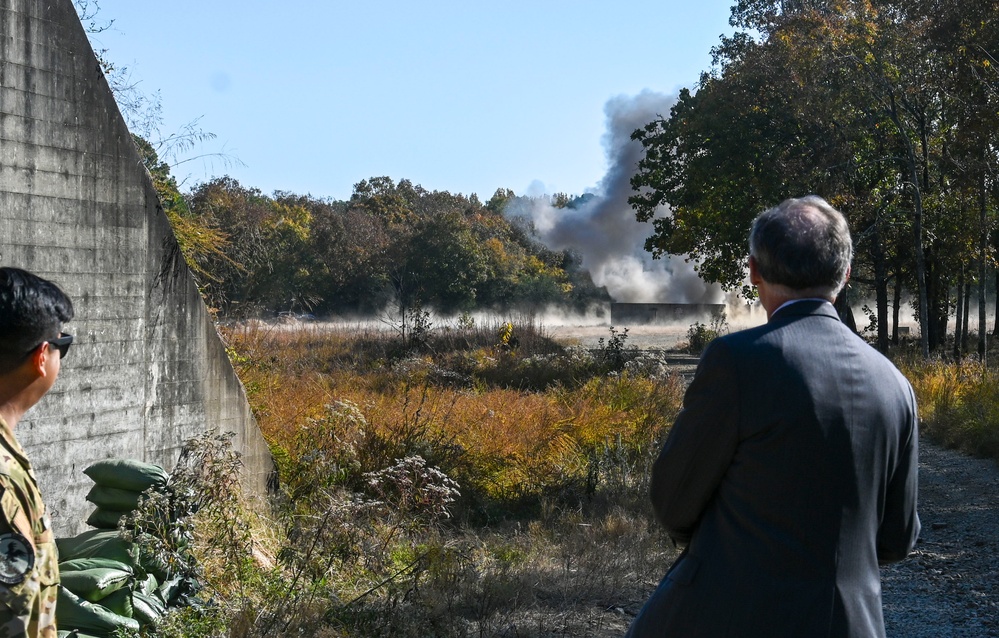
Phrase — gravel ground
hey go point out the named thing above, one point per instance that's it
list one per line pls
(950, 585)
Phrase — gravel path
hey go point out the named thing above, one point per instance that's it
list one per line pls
(950, 585)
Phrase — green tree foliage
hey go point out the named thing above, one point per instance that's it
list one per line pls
(886, 108)
(201, 243)
(243, 277)
(346, 256)
(389, 244)
(445, 264)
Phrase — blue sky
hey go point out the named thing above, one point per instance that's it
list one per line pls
(314, 96)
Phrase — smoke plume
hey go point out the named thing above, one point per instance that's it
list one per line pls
(602, 227)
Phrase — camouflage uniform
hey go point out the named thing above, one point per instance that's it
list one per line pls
(29, 561)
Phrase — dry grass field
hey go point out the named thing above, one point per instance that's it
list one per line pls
(458, 481)
(475, 480)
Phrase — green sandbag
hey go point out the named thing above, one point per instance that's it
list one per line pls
(168, 590)
(72, 612)
(147, 609)
(114, 498)
(79, 564)
(95, 584)
(148, 586)
(105, 519)
(120, 602)
(153, 564)
(127, 474)
(96, 543)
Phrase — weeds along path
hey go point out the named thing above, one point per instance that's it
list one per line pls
(949, 587)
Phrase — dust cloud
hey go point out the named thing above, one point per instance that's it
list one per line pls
(601, 226)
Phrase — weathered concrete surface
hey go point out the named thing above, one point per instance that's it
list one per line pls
(663, 313)
(147, 371)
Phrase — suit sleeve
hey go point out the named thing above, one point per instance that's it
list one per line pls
(900, 523)
(700, 446)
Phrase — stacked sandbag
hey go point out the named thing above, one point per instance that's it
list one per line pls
(92, 619)
(97, 572)
(119, 484)
(96, 543)
(104, 584)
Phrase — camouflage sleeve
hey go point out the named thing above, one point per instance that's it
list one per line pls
(20, 583)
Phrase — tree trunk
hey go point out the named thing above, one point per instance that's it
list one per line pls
(912, 168)
(938, 298)
(917, 236)
(967, 314)
(880, 287)
(896, 302)
(995, 320)
(959, 321)
(983, 247)
(994, 236)
(843, 309)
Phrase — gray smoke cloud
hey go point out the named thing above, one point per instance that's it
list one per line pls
(603, 228)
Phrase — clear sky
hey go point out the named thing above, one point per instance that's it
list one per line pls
(313, 96)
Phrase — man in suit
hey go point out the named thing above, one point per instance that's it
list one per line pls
(790, 473)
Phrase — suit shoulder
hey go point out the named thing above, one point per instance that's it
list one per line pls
(875, 356)
(744, 342)
(743, 337)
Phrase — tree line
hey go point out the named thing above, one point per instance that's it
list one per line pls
(887, 108)
(391, 245)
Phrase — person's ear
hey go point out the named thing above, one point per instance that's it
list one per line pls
(754, 272)
(39, 359)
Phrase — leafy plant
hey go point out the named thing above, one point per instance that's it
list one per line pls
(613, 353)
(700, 335)
(419, 324)
(197, 519)
(412, 489)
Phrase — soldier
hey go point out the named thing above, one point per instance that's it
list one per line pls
(32, 344)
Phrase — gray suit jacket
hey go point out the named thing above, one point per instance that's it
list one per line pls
(791, 472)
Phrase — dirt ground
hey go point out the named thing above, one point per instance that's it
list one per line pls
(664, 337)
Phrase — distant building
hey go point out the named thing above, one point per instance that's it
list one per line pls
(636, 314)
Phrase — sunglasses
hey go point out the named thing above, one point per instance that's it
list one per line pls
(62, 343)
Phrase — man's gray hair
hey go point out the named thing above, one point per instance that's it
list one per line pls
(803, 244)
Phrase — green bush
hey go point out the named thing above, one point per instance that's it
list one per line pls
(700, 335)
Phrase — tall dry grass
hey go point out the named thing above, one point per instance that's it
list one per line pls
(958, 403)
(478, 481)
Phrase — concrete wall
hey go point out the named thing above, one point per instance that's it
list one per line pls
(631, 314)
(147, 370)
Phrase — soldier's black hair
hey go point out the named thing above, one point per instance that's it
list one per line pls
(32, 310)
